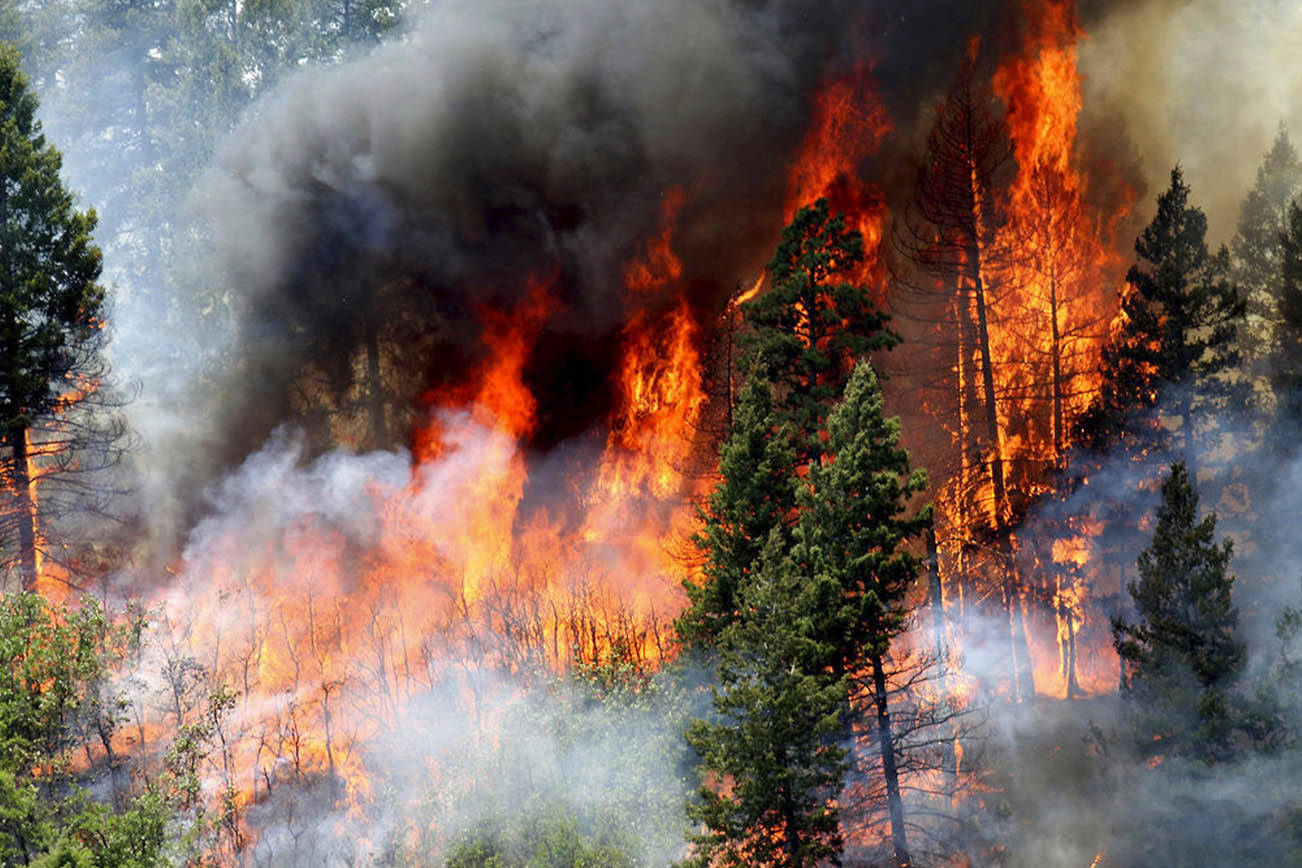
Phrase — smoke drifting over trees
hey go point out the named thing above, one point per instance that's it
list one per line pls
(431, 307)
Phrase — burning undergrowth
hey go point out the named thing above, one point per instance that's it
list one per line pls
(377, 670)
(481, 291)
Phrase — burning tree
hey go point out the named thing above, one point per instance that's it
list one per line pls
(49, 311)
(954, 234)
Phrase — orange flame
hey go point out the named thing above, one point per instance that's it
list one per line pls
(849, 124)
(309, 622)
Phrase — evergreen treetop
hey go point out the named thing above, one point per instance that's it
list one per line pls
(1179, 314)
(820, 603)
(1256, 249)
(778, 709)
(49, 298)
(855, 523)
(1288, 375)
(813, 323)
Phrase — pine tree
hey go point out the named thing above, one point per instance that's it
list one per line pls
(953, 234)
(1171, 355)
(772, 743)
(1256, 252)
(854, 520)
(821, 607)
(851, 535)
(812, 324)
(756, 496)
(1288, 376)
(1180, 312)
(49, 299)
(1181, 654)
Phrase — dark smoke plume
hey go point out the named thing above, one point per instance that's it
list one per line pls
(387, 201)
(396, 197)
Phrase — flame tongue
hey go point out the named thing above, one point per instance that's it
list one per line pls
(342, 585)
(849, 124)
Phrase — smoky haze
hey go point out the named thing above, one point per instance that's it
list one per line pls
(403, 191)
(394, 197)
(1205, 83)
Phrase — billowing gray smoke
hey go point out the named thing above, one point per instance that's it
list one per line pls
(382, 203)
(402, 193)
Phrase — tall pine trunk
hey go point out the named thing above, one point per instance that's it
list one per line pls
(891, 773)
(1019, 648)
(25, 506)
(1059, 435)
(988, 390)
(1187, 423)
(936, 601)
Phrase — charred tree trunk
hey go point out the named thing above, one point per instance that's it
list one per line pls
(890, 772)
(967, 398)
(1023, 675)
(792, 829)
(949, 757)
(988, 391)
(1073, 685)
(1018, 636)
(25, 506)
(937, 603)
(961, 205)
(1190, 444)
(1014, 656)
(1059, 436)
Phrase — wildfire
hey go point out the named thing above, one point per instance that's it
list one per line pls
(1053, 319)
(1046, 309)
(312, 617)
(849, 123)
(325, 622)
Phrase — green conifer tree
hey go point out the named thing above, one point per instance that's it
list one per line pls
(812, 324)
(1288, 373)
(822, 605)
(49, 299)
(1256, 252)
(771, 746)
(856, 519)
(1180, 312)
(851, 534)
(756, 495)
(1181, 654)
